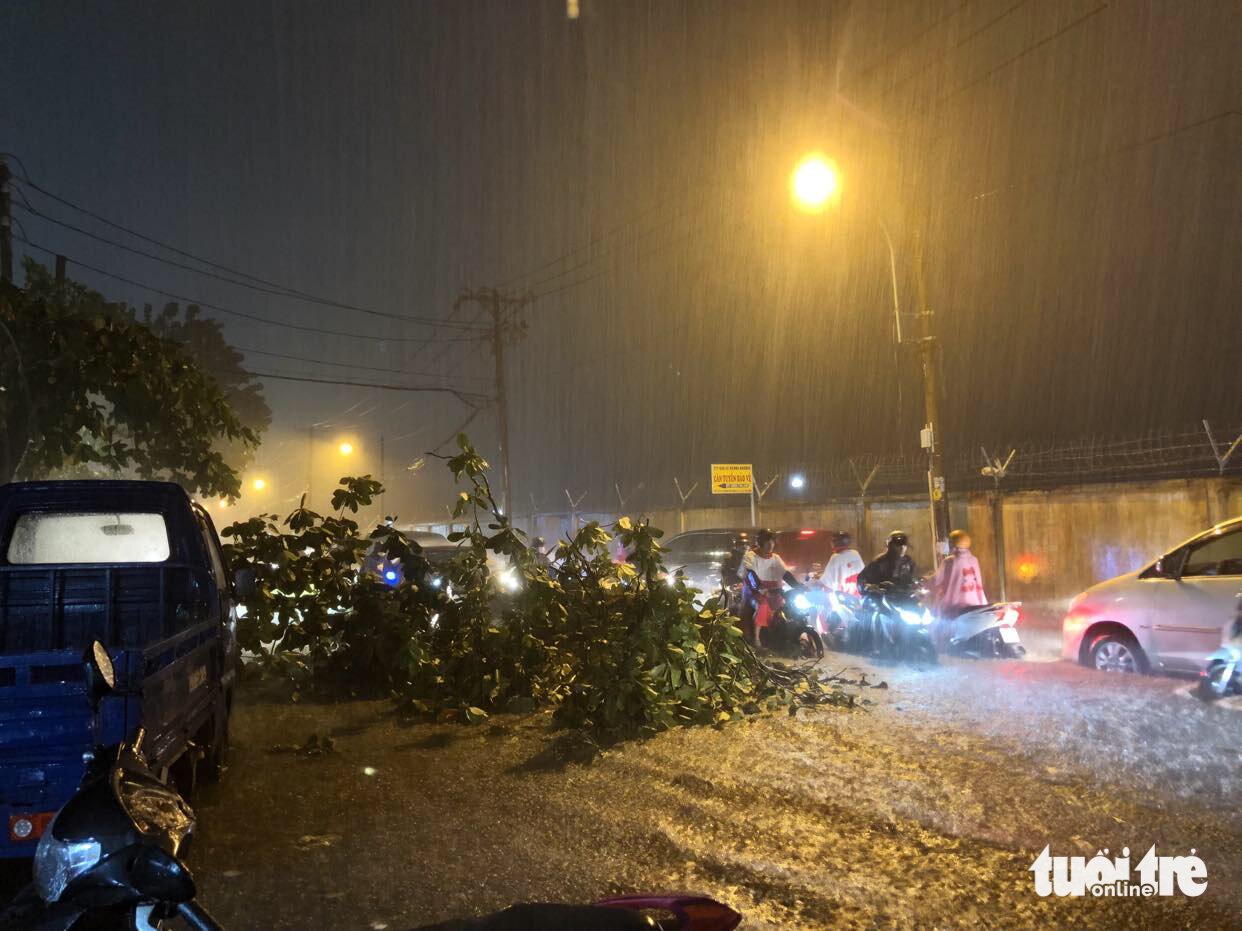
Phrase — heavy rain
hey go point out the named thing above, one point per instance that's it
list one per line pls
(613, 463)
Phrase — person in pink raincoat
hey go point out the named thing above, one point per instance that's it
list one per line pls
(956, 587)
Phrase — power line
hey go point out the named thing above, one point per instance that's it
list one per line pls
(350, 365)
(468, 398)
(269, 284)
(1026, 51)
(426, 321)
(1111, 153)
(254, 317)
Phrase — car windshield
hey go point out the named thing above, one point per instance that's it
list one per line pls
(64, 537)
(698, 547)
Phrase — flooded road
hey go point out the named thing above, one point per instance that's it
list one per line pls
(925, 807)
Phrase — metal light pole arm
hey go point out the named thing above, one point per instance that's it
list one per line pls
(892, 271)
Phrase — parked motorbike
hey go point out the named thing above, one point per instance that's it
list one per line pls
(111, 852)
(985, 632)
(900, 627)
(110, 858)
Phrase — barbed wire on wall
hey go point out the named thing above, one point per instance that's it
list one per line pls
(1201, 451)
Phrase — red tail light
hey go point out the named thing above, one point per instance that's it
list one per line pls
(29, 826)
(806, 533)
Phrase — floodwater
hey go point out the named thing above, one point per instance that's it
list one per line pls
(925, 808)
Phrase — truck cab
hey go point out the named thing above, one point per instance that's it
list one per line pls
(137, 566)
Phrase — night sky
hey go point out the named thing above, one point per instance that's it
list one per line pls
(1071, 169)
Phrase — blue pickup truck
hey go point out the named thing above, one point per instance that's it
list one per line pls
(137, 566)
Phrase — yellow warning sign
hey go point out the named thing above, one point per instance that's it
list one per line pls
(731, 479)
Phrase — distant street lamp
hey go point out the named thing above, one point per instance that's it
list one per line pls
(814, 185)
(258, 484)
(345, 449)
(797, 482)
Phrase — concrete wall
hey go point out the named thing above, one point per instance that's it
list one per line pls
(1057, 542)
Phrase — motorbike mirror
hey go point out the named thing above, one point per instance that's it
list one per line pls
(100, 673)
(158, 875)
(244, 583)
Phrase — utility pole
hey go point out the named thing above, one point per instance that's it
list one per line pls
(929, 350)
(310, 462)
(502, 308)
(6, 226)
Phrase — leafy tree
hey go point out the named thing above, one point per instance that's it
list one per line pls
(86, 385)
(204, 342)
(614, 649)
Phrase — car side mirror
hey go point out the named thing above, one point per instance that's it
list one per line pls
(100, 673)
(244, 583)
(1170, 565)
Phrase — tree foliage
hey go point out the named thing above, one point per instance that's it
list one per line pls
(202, 339)
(87, 385)
(614, 648)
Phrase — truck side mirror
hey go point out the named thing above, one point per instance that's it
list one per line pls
(100, 673)
(244, 583)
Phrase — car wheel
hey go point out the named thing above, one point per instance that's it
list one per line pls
(1117, 653)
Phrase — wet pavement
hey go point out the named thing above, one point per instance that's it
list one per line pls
(926, 807)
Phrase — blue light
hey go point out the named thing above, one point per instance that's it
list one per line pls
(390, 575)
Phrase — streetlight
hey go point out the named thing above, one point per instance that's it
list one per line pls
(258, 484)
(345, 448)
(797, 482)
(814, 184)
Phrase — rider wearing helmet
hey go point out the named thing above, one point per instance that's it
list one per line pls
(844, 565)
(958, 583)
(762, 570)
(894, 566)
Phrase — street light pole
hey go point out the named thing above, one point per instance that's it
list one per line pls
(892, 271)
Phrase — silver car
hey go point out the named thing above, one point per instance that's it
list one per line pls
(1169, 615)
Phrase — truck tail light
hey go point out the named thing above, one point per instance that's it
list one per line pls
(29, 826)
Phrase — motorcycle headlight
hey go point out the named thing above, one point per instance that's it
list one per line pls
(916, 618)
(802, 603)
(58, 862)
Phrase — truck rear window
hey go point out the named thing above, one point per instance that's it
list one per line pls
(66, 537)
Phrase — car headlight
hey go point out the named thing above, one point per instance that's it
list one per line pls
(59, 862)
(802, 603)
(509, 580)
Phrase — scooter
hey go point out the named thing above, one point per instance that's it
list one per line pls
(1222, 672)
(111, 855)
(111, 851)
(984, 632)
(900, 625)
(783, 623)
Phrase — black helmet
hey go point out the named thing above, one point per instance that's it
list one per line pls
(765, 535)
(842, 540)
(898, 538)
(538, 543)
